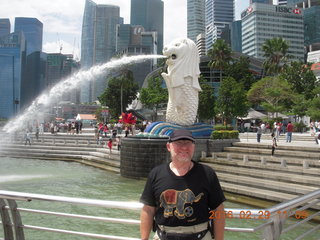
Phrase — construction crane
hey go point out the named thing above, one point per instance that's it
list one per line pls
(59, 43)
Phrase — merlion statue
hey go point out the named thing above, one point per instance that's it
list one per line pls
(182, 81)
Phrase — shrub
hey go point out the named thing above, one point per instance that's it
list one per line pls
(298, 126)
(225, 134)
(219, 127)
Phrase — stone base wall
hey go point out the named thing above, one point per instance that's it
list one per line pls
(139, 155)
(219, 144)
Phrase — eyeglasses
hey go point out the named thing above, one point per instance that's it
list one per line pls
(181, 143)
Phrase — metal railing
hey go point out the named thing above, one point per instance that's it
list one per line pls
(304, 208)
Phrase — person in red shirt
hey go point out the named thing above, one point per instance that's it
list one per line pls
(289, 131)
(110, 145)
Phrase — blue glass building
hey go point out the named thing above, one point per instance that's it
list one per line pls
(149, 14)
(219, 13)
(4, 26)
(12, 65)
(236, 36)
(195, 18)
(32, 29)
(98, 43)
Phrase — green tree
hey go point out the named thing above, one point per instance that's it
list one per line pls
(121, 91)
(220, 56)
(300, 105)
(206, 101)
(271, 93)
(275, 53)
(154, 95)
(239, 70)
(301, 77)
(232, 101)
(313, 110)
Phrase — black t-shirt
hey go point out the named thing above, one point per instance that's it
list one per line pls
(182, 200)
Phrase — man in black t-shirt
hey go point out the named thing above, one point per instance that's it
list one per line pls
(180, 195)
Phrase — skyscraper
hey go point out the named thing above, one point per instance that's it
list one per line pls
(219, 13)
(4, 26)
(261, 1)
(282, 2)
(32, 29)
(98, 43)
(133, 40)
(196, 18)
(12, 65)
(149, 14)
(261, 22)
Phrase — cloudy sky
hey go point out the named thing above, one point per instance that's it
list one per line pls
(62, 19)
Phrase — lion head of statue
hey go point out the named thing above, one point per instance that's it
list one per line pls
(183, 61)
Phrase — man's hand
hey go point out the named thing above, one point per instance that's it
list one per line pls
(146, 218)
(219, 224)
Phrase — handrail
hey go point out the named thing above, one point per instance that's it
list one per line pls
(272, 225)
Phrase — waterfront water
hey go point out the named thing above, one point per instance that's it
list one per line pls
(76, 180)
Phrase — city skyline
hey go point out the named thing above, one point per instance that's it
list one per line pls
(55, 14)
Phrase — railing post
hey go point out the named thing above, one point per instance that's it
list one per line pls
(273, 231)
(6, 222)
(17, 223)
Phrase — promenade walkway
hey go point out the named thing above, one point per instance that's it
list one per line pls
(246, 169)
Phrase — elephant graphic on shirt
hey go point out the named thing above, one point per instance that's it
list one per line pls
(174, 201)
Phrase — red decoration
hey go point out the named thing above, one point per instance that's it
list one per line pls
(128, 119)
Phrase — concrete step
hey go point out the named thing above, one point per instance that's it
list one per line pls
(257, 192)
(278, 152)
(294, 165)
(310, 148)
(105, 155)
(99, 165)
(40, 147)
(291, 188)
(315, 171)
(264, 173)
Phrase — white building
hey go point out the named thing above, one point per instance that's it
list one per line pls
(263, 21)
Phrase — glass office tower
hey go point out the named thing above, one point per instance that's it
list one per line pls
(32, 29)
(12, 65)
(263, 21)
(196, 18)
(149, 14)
(219, 13)
(4, 26)
(98, 43)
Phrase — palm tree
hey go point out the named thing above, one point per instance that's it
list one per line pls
(220, 55)
(275, 52)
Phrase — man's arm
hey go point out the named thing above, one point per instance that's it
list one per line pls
(219, 223)
(146, 218)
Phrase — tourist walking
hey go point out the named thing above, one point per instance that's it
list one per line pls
(27, 138)
(180, 196)
(118, 139)
(274, 143)
(37, 133)
(110, 145)
(289, 131)
(259, 133)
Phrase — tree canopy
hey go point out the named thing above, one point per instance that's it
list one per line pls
(232, 101)
(220, 56)
(275, 51)
(271, 93)
(121, 89)
(154, 95)
(206, 101)
(301, 78)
